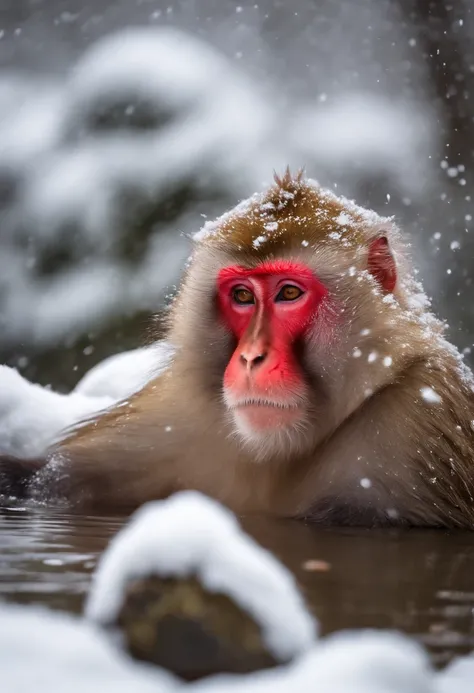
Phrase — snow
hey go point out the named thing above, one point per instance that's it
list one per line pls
(31, 128)
(121, 375)
(80, 187)
(458, 677)
(50, 652)
(243, 207)
(69, 182)
(376, 132)
(225, 560)
(257, 242)
(143, 113)
(353, 215)
(430, 396)
(145, 63)
(64, 652)
(343, 219)
(33, 417)
(352, 662)
(369, 662)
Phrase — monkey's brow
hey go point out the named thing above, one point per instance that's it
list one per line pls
(266, 268)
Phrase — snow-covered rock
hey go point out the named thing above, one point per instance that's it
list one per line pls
(159, 541)
(50, 652)
(33, 417)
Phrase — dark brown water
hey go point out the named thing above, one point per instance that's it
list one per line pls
(418, 581)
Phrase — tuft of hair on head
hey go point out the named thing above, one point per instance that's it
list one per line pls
(288, 180)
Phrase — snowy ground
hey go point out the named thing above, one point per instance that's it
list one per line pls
(66, 653)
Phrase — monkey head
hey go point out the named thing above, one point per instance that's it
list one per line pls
(281, 296)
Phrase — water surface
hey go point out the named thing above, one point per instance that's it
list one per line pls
(418, 581)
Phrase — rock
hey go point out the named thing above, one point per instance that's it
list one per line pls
(180, 626)
(190, 591)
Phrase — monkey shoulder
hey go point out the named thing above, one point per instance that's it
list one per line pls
(405, 457)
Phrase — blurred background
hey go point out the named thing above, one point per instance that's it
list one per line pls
(124, 124)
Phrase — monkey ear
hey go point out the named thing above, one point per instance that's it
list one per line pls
(381, 264)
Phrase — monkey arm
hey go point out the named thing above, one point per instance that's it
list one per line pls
(116, 461)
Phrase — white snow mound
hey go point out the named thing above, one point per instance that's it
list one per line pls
(190, 534)
(33, 417)
(48, 652)
(121, 375)
(66, 653)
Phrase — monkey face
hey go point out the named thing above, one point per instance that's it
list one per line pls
(268, 309)
(283, 272)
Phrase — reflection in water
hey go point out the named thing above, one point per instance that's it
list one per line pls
(47, 556)
(419, 581)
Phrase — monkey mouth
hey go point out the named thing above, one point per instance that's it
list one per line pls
(263, 402)
(261, 414)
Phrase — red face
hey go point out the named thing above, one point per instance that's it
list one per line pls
(268, 309)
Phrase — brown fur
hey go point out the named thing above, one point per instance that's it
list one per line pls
(376, 450)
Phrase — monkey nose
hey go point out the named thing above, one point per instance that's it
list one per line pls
(251, 358)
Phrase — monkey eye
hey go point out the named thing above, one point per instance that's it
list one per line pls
(289, 292)
(243, 296)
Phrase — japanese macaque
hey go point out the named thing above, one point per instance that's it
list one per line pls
(309, 381)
